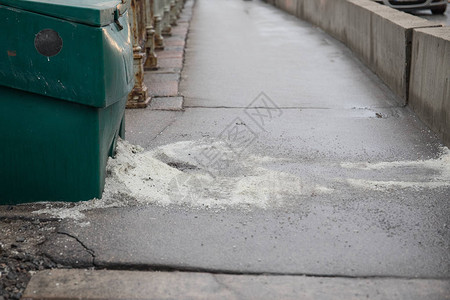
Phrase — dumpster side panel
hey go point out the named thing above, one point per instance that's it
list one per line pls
(110, 120)
(48, 148)
(53, 149)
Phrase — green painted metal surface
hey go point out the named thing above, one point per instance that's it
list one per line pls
(94, 65)
(60, 115)
(90, 12)
(53, 150)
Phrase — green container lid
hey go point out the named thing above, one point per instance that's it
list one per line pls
(90, 12)
(74, 50)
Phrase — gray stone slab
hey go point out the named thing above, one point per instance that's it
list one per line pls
(167, 103)
(152, 77)
(89, 284)
(145, 125)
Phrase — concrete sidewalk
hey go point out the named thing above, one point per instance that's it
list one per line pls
(290, 158)
(88, 284)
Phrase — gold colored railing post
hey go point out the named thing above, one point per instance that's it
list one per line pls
(179, 7)
(138, 98)
(173, 13)
(166, 27)
(151, 61)
(149, 21)
(157, 21)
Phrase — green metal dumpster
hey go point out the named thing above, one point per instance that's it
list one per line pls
(66, 68)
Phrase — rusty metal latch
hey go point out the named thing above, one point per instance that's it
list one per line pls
(120, 10)
(116, 18)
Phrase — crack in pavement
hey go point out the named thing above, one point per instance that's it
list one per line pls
(167, 126)
(88, 250)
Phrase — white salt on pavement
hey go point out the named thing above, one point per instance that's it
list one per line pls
(178, 174)
(435, 173)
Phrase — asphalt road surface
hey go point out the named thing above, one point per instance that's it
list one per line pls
(325, 175)
(441, 19)
(332, 176)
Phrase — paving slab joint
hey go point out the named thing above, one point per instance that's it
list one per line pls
(225, 286)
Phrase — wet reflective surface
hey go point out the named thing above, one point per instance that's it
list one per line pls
(330, 176)
(441, 19)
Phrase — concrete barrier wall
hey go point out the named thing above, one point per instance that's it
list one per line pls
(410, 54)
(379, 35)
(382, 37)
(330, 15)
(289, 6)
(429, 90)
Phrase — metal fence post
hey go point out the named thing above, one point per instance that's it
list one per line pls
(138, 98)
(173, 13)
(166, 28)
(179, 7)
(151, 61)
(157, 20)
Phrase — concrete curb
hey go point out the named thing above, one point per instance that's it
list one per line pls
(103, 284)
(382, 38)
(385, 44)
(379, 35)
(429, 90)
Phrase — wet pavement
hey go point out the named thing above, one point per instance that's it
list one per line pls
(356, 187)
(296, 159)
(443, 19)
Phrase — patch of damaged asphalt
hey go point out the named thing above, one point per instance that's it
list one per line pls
(20, 255)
